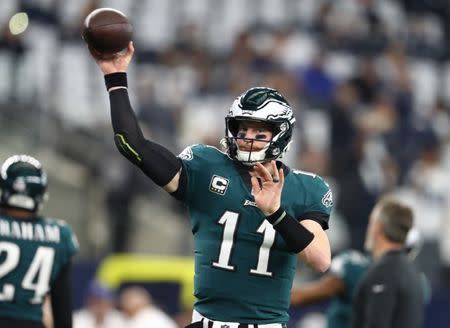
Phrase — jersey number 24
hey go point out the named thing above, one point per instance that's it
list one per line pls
(36, 278)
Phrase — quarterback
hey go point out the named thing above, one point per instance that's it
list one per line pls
(252, 216)
(35, 252)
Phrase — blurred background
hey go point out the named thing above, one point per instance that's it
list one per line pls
(369, 81)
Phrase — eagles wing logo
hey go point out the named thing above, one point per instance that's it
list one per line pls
(327, 199)
(186, 154)
(19, 184)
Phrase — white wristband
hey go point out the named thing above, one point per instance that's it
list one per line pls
(116, 88)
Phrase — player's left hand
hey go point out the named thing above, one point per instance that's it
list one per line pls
(267, 191)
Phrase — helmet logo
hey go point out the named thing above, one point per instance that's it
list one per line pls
(256, 98)
(19, 184)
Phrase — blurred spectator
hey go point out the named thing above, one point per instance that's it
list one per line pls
(427, 192)
(99, 310)
(128, 183)
(11, 43)
(347, 152)
(137, 305)
(12, 51)
(343, 130)
(318, 85)
(367, 81)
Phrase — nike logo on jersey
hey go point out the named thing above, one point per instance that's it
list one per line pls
(378, 288)
(249, 203)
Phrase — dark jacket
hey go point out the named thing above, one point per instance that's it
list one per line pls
(390, 294)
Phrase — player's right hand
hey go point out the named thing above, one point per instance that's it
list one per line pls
(267, 191)
(118, 63)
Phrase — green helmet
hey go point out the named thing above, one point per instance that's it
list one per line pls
(260, 104)
(23, 183)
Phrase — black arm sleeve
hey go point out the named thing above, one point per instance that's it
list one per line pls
(61, 299)
(158, 163)
(295, 235)
(319, 217)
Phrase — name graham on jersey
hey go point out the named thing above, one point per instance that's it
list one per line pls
(29, 231)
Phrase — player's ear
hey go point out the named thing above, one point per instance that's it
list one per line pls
(378, 228)
(45, 198)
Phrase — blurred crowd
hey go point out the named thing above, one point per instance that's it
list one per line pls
(131, 307)
(369, 80)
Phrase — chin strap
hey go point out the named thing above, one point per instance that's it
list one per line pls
(251, 157)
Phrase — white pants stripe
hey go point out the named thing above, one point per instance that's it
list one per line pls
(219, 324)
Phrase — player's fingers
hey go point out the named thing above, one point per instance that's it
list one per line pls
(263, 172)
(281, 175)
(256, 188)
(276, 174)
(129, 53)
(131, 47)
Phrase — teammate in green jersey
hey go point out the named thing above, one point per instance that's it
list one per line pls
(35, 252)
(337, 285)
(251, 215)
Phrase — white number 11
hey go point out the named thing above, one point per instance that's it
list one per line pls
(230, 222)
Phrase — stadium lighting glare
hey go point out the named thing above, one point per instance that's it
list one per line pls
(18, 23)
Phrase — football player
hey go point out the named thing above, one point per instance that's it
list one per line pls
(251, 215)
(35, 252)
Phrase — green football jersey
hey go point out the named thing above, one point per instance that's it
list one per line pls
(32, 254)
(243, 268)
(349, 266)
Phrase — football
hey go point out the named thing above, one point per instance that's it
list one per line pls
(106, 31)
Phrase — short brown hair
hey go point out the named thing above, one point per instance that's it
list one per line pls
(397, 219)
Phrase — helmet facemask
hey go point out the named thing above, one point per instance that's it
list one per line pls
(261, 105)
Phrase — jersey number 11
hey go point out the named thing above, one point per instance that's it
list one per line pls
(229, 220)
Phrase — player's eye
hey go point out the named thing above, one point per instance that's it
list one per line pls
(241, 134)
(261, 136)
